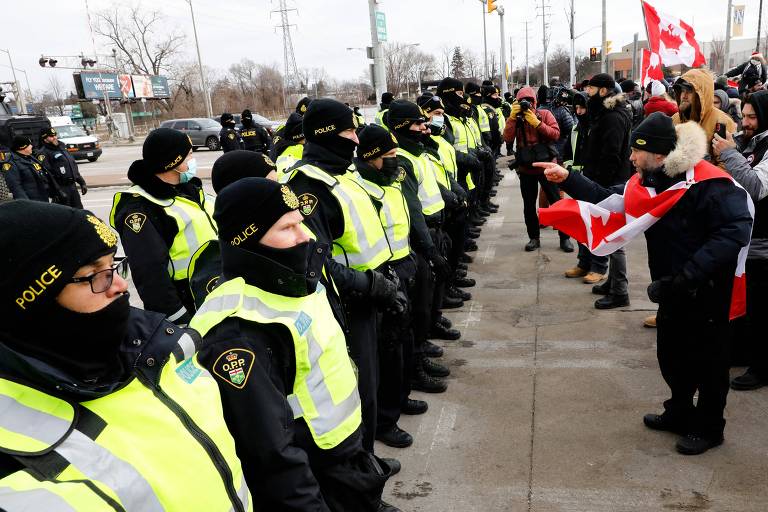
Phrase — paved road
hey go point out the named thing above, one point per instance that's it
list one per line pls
(543, 412)
(111, 168)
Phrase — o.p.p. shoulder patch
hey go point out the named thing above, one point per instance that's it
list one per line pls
(234, 366)
(307, 204)
(135, 221)
(231, 136)
(6, 167)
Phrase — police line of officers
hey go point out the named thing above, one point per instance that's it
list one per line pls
(310, 288)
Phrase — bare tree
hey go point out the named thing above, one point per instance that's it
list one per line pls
(57, 93)
(406, 65)
(492, 65)
(446, 55)
(717, 54)
(141, 36)
(474, 66)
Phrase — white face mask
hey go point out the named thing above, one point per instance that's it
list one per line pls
(437, 121)
(190, 173)
(754, 62)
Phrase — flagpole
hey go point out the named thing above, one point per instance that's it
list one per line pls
(645, 23)
(727, 38)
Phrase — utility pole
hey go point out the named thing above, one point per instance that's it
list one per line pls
(503, 80)
(545, 39)
(727, 38)
(20, 103)
(634, 58)
(379, 71)
(573, 46)
(203, 83)
(485, 43)
(527, 73)
(291, 72)
(759, 23)
(604, 60)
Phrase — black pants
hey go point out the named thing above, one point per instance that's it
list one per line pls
(421, 297)
(395, 353)
(456, 230)
(440, 286)
(363, 349)
(354, 485)
(529, 189)
(693, 356)
(70, 196)
(757, 302)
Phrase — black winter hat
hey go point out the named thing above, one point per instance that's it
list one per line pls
(227, 118)
(759, 102)
(165, 149)
(489, 90)
(656, 134)
(303, 105)
(471, 88)
(387, 98)
(247, 208)
(402, 113)
(627, 86)
(602, 80)
(449, 85)
(20, 142)
(247, 115)
(48, 132)
(487, 82)
(580, 99)
(239, 164)
(429, 102)
(508, 96)
(294, 129)
(44, 245)
(374, 142)
(327, 118)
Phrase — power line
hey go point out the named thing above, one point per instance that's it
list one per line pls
(543, 12)
(289, 58)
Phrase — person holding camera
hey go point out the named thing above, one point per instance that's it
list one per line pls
(535, 131)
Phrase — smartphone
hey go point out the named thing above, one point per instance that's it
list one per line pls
(720, 129)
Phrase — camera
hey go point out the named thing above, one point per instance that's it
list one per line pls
(524, 105)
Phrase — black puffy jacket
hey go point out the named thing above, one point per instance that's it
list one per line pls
(606, 160)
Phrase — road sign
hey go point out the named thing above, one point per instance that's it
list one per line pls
(381, 27)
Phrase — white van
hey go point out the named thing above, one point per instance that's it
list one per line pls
(78, 143)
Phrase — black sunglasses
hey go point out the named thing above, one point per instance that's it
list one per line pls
(102, 280)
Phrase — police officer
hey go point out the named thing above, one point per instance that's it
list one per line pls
(289, 144)
(340, 213)
(94, 415)
(491, 104)
(274, 344)
(62, 168)
(25, 176)
(426, 209)
(386, 99)
(377, 164)
(254, 136)
(229, 138)
(359, 115)
(163, 219)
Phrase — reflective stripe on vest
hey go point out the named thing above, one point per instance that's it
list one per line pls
(195, 227)
(287, 158)
(476, 137)
(396, 221)
(482, 119)
(325, 389)
(429, 193)
(20, 491)
(380, 118)
(460, 139)
(447, 156)
(441, 174)
(363, 245)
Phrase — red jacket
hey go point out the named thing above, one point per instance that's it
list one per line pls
(548, 131)
(660, 104)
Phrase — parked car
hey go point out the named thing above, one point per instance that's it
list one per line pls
(270, 125)
(78, 143)
(202, 131)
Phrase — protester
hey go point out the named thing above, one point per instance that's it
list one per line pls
(659, 100)
(751, 72)
(731, 106)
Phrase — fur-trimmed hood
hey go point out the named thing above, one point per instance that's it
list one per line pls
(690, 149)
(611, 102)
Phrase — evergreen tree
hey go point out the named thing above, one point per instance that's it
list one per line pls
(457, 64)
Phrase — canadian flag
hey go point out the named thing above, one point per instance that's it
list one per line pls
(650, 67)
(609, 225)
(673, 39)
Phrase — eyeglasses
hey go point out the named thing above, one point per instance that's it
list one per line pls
(102, 280)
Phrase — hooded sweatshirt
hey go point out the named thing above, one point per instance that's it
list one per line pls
(547, 132)
(705, 114)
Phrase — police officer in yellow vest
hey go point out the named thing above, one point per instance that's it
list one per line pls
(95, 416)
(163, 219)
(386, 100)
(426, 206)
(275, 346)
(289, 143)
(485, 123)
(492, 107)
(341, 214)
(377, 164)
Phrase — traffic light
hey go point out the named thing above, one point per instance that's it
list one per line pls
(492, 6)
(593, 55)
(45, 60)
(87, 62)
(608, 48)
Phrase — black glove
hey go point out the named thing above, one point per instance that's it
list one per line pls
(398, 308)
(656, 290)
(83, 188)
(383, 291)
(439, 264)
(669, 289)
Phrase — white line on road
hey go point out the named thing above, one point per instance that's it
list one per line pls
(489, 253)
(443, 431)
(474, 315)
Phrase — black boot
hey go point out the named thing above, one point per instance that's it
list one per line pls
(748, 380)
(532, 245)
(612, 302)
(441, 332)
(445, 322)
(414, 407)
(434, 369)
(602, 289)
(464, 282)
(462, 266)
(566, 245)
(458, 293)
(394, 437)
(423, 382)
(694, 444)
(470, 246)
(429, 349)
(451, 302)
(466, 258)
(461, 272)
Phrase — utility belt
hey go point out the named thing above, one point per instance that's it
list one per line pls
(64, 180)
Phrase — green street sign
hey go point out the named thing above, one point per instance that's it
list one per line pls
(381, 26)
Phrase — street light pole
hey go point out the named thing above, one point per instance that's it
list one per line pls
(604, 60)
(379, 70)
(573, 47)
(485, 43)
(503, 80)
(203, 83)
(19, 92)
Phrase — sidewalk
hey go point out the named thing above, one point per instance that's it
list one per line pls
(545, 402)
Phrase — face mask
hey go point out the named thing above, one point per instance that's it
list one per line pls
(190, 173)
(390, 170)
(437, 122)
(494, 102)
(297, 269)
(754, 62)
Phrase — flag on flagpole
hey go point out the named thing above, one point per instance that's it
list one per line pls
(672, 38)
(650, 67)
(609, 225)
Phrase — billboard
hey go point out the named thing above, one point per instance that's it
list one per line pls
(93, 85)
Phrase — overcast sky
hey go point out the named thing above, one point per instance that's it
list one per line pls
(230, 30)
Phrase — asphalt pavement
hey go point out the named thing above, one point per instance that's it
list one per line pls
(545, 402)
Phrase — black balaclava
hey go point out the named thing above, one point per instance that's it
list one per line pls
(239, 164)
(376, 141)
(324, 120)
(474, 91)
(402, 114)
(46, 244)
(454, 104)
(227, 120)
(244, 212)
(488, 92)
(246, 118)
